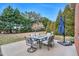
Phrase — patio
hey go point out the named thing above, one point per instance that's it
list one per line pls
(20, 49)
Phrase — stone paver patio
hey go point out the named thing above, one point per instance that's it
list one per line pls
(20, 49)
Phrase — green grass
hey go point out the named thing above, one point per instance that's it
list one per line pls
(60, 37)
(9, 38)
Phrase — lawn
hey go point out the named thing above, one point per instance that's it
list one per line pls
(9, 38)
(60, 37)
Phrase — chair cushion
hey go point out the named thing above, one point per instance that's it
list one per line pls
(34, 42)
(45, 42)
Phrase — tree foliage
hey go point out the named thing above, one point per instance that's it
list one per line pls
(13, 21)
(68, 17)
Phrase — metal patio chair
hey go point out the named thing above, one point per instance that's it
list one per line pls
(32, 43)
(48, 41)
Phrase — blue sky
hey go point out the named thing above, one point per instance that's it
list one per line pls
(49, 10)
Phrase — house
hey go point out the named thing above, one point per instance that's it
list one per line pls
(76, 14)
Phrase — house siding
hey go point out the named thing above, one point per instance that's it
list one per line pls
(77, 27)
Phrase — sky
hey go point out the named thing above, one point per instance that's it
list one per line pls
(49, 10)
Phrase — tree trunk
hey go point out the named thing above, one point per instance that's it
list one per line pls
(10, 30)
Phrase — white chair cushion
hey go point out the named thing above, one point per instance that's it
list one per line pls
(45, 42)
(34, 42)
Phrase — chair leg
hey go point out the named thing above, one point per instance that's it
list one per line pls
(31, 49)
(51, 45)
(40, 44)
(48, 47)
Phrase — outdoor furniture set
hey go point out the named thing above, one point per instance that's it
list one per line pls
(38, 41)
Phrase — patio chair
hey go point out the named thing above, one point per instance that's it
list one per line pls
(30, 42)
(48, 41)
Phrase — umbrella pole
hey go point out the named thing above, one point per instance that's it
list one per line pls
(64, 38)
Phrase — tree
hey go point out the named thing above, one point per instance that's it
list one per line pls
(69, 20)
(13, 20)
(44, 20)
(33, 16)
(17, 16)
(52, 27)
(7, 16)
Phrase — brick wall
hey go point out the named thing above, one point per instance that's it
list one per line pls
(77, 27)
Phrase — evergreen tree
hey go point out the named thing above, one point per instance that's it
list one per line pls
(7, 18)
(69, 20)
(7, 14)
(13, 20)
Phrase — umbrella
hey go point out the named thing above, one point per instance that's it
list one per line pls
(61, 28)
